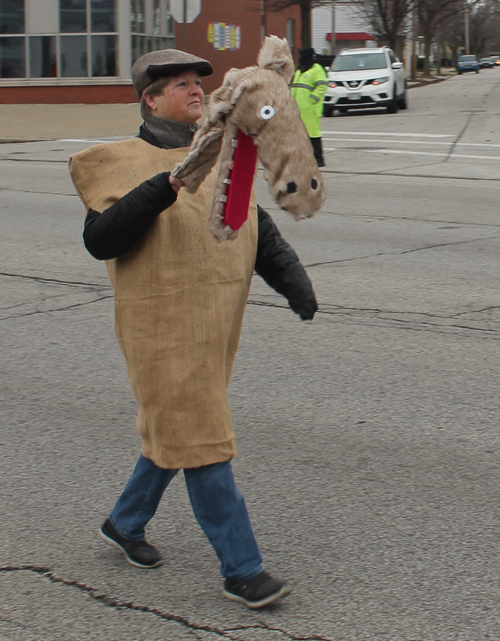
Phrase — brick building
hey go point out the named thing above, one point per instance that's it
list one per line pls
(82, 51)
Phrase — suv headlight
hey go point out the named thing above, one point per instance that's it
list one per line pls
(334, 83)
(380, 81)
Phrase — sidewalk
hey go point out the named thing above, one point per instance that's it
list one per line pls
(22, 123)
(422, 81)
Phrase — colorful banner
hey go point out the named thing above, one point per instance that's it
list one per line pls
(224, 37)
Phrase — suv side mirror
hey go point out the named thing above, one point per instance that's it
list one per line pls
(397, 65)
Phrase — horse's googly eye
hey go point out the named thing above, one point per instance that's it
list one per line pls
(291, 187)
(267, 112)
(314, 183)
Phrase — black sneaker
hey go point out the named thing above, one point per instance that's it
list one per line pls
(138, 553)
(257, 592)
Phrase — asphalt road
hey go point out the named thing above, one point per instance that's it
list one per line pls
(368, 439)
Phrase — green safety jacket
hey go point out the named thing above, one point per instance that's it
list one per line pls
(308, 89)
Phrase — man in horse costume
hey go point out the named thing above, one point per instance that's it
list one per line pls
(181, 289)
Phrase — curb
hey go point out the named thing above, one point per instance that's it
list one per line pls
(423, 83)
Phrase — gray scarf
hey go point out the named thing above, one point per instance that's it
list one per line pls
(169, 133)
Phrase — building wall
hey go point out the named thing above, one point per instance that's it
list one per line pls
(195, 38)
(53, 94)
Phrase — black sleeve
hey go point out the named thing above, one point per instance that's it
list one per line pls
(278, 264)
(114, 231)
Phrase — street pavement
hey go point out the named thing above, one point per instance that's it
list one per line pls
(368, 439)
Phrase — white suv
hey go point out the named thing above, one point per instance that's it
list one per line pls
(366, 78)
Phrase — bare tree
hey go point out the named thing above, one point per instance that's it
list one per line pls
(306, 6)
(452, 33)
(388, 19)
(484, 26)
(432, 13)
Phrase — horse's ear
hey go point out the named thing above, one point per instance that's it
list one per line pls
(275, 55)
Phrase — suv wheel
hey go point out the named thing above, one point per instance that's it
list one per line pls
(327, 111)
(403, 102)
(393, 106)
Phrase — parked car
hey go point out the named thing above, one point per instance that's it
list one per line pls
(486, 63)
(366, 78)
(467, 63)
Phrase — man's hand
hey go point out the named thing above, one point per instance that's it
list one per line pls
(176, 183)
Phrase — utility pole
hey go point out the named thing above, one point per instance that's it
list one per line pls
(333, 42)
(184, 25)
(262, 20)
(414, 43)
(467, 36)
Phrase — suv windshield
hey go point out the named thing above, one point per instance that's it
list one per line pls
(359, 62)
(467, 58)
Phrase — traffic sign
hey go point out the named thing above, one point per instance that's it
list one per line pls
(192, 8)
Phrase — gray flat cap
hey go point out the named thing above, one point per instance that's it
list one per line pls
(167, 62)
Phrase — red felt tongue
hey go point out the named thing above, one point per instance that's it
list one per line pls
(239, 189)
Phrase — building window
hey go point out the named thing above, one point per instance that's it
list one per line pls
(95, 53)
(12, 58)
(104, 53)
(43, 58)
(103, 15)
(11, 16)
(137, 19)
(72, 16)
(12, 46)
(152, 26)
(74, 57)
(86, 45)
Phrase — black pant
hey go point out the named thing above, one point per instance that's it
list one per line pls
(318, 151)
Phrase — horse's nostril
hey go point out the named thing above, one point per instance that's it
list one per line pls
(314, 183)
(291, 187)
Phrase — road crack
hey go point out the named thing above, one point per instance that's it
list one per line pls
(56, 309)
(39, 160)
(55, 281)
(399, 253)
(33, 191)
(403, 320)
(467, 123)
(119, 604)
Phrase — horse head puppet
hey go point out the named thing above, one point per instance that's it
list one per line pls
(253, 116)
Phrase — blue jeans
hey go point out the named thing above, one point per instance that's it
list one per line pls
(217, 504)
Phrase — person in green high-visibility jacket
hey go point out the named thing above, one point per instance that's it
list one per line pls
(308, 88)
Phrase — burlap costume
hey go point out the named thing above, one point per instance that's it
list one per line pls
(179, 301)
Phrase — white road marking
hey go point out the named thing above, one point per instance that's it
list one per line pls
(82, 140)
(426, 153)
(383, 133)
(412, 142)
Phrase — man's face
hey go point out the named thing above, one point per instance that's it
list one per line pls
(181, 100)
